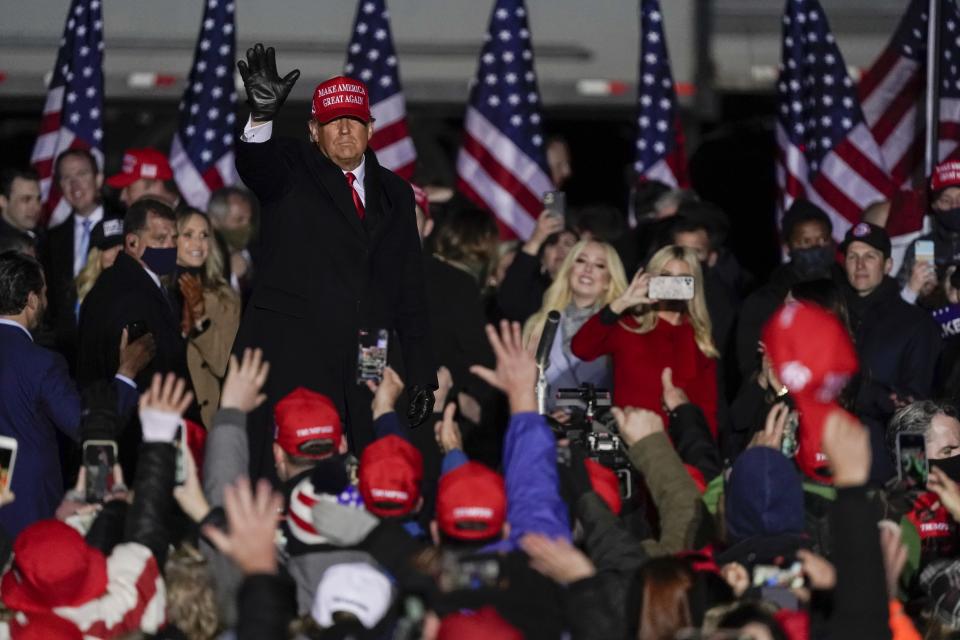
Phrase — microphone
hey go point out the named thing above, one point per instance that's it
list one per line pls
(544, 347)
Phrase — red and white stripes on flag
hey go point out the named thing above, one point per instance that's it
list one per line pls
(892, 93)
(372, 58)
(502, 164)
(825, 152)
(73, 111)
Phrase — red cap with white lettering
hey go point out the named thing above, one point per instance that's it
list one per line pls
(471, 502)
(341, 97)
(389, 477)
(307, 424)
(947, 174)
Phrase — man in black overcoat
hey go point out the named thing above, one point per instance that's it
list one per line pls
(340, 253)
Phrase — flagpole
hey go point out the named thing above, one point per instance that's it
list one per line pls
(932, 107)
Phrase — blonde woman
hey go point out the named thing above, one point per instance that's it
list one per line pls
(645, 336)
(211, 308)
(590, 277)
(106, 241)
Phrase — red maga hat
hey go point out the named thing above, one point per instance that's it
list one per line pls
(389, 477)
(341, 97)
(307, 424)
(52, 567)
(471, 502)
(947, 174)
(482, 624)
(141, 163)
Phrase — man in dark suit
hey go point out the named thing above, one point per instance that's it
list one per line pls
(130, 295)
(79, 179)
(20, 205)
(37, 396)
(340, 252)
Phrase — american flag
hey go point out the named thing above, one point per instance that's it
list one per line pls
(372, 59)
(825, 153)
(892, 92)
(201, 154)
(502, 165)
(73, 112)
(659, 147)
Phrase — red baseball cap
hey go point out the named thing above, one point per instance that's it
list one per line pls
(814, 357)
(389, 477)
(52, 567)
(947, 174)
(471, 502)
(481, 624)
(605, 484)
(341, 97)
(307, 424)
(141, 163)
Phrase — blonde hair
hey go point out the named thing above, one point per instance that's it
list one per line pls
(559, 295)
(696, 308)
(89, 274)
(212, 275)
(191, 605)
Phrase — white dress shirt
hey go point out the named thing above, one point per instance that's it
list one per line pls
(264, 131)
(79, 256)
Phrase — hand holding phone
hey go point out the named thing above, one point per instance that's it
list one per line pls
(912, 466)
(372, 355)
(99, 457)
(555, 203)
(671, 288)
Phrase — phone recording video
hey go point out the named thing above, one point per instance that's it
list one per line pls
(99, 457)
(8, 456)
(912, 466)
(372, 355)
(671, 288)
(555, 203)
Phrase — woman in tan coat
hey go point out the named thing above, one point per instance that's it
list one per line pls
(211, 309)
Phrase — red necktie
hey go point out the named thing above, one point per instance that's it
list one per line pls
(357, 202)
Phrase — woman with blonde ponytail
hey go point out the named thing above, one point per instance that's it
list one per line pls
(644, 337)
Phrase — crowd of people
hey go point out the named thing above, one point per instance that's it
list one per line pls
(197, 452)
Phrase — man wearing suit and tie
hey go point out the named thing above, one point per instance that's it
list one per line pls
(37, 396)
(79, 180)
(339, 253)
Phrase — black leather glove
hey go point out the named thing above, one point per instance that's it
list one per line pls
(266, 90)
(99, 420)
(421, 404)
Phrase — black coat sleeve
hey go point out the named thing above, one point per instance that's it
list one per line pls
(413, 319)
(266, 605)
(148, 522)
(521, 292)
(691, 437)
(860, 607)
(265, 167)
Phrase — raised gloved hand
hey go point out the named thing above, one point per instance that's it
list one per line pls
(266, 90)
(421, 404)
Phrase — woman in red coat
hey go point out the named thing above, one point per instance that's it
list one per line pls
(645, 336)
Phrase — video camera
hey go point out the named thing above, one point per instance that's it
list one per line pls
(592, 426)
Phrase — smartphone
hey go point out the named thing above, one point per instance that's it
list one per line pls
(912, 466)
(136, 330)
(671, 288)
(8, 456)
(180, 477)
(372, 355)
(923, 251)
(555, 203)
(773, 576)
(99, 457)
(481, 571)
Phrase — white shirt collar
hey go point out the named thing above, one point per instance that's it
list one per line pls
(13, 323)
(153, 276)
(95, 216)
(360, 171)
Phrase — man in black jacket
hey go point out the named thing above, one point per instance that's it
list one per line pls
(897, 344)
(340, 253)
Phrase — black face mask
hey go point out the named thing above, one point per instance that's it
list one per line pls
(950, 219)
(813, 262)
(950, 466)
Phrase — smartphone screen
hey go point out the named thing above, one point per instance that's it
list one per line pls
(785, 577)
(99, 456)
(923, 250)
(8, 455)
(372, 354)
(912, 468)
(555, 203)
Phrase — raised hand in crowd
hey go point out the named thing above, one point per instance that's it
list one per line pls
(557, 559)
(386, 392)
(516, 370)
(923, 278)
(245, 378)
(447, 431)
(162, 406)
(636, 424)
(252, 525)
(546, 226)
(673, 396)
(635, 294)
(847, 445)
(189, 495)
(947, 490)
(820, 573)
(772, 433)
(136, 355)
(266, 90)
